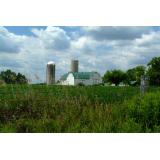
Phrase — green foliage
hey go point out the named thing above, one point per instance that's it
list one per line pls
(21, 79)
(10, 77)
(131, 77)
(2, 82)
(114, 76)
(42, 108)
(154, 71)
(135, 74)
(146, 111)
(130, 126)
(8, 128)
(81, 84)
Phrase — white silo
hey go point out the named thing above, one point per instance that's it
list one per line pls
(50, 73)
(74, 65)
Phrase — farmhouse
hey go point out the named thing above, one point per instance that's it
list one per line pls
(86, 78)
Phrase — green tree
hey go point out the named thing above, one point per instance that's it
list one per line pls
(135, 74)
(154, 71)
(8, 76)
(21, 79)
(131, 76)
(115, 77)
(11, 77)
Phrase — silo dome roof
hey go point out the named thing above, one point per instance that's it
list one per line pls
(50, 62)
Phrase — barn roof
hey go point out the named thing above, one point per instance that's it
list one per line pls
(79, 75)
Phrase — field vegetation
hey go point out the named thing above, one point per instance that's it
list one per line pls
(41, 108)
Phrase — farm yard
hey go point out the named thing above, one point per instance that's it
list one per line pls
(104, 109)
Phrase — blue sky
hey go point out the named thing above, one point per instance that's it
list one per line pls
(27, 49)
(26, 30)
(23, 30)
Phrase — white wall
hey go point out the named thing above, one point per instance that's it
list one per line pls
(69, 80)
(85, 82)
(96, 79)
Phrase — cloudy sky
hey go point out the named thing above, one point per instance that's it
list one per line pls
(28, 49)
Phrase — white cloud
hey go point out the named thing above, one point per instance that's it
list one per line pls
(94, 52)
(116, 33)
(53, 38)
(117, 47)
(9, 42)
(149, 39)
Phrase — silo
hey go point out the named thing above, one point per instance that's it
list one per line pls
(50, 73)
(74, 65)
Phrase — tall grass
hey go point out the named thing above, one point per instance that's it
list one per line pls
(40, 108)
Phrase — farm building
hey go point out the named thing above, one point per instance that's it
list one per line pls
(86, 78)
(74, 77)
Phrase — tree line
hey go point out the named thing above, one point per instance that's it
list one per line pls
(132, 76)
(10, 77)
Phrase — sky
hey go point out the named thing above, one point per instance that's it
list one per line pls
(27, 49)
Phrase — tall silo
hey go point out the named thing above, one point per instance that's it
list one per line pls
(50, 73)
(74, 65)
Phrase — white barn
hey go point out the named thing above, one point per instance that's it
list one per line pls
(86, 78)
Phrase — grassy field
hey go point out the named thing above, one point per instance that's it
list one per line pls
(40, 108)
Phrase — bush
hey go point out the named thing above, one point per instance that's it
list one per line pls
(130, 126)
(2, 82)
(146, 110)
(81, 84)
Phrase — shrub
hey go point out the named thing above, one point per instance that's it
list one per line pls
(146, 110)
(81, 84)
(130, 126)
(2, 82)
